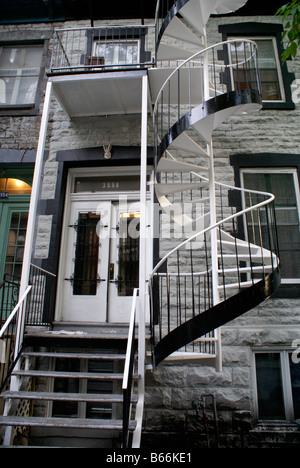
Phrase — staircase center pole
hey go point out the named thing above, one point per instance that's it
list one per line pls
(213, 216)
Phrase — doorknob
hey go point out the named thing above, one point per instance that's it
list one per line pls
(72, 279)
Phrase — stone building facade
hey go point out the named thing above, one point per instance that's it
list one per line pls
(180, 396)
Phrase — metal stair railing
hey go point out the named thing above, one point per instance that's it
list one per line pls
(204, 77)
(11, 337)
(180, 284)
(34, 308)
(127, 385)
(120, 47)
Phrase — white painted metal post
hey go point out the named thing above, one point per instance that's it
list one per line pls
(35, 190)
(14, 385)
(213, 219)
(32, 209)
(142, 265)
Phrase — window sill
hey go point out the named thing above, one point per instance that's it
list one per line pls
(275, 427)
(288, 290)
(278, 105)
(19, 110)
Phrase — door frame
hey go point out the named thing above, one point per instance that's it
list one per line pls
(70, 197)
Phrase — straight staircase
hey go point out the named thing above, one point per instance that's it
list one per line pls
(88, 380)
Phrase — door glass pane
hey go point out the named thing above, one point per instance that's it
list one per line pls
(106, 184)
(269, 386)
(14, 187)
(128, 255)
(287, 216)
(15, 244)
(295, 381)
(86, 278)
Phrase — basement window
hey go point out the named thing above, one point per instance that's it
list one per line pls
(277, 386)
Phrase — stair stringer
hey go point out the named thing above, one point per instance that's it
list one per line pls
(217, 316)
(221, 106)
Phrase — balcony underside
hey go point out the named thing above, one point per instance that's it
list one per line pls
(95, 94)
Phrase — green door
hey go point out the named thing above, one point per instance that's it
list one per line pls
(14, 206)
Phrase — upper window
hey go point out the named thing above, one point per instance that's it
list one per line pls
(117, 52)
(274, 76)
(19, 74)
(115, 47)
(269, 69)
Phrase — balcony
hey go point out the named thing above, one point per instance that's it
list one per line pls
(98, 71)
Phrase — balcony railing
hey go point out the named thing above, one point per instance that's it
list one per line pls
(101, 49)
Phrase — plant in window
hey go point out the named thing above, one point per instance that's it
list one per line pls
(291, 28)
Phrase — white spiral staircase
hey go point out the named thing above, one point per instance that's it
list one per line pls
(226, 261)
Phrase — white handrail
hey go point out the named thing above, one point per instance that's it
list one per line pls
(210, 228)
(202, 51)
(130, 341)
(15, 310)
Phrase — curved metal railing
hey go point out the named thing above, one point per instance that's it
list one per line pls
(212, 72)
(181, 283)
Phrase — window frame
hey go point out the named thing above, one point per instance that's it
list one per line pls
(282, 170)
(267, 161)
(116, 42)
(25, 38)
(118, 34)
(287, 394)
(258, 30)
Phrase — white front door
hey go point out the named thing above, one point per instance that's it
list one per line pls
(100, 261)
(86, 256)
(124, 260)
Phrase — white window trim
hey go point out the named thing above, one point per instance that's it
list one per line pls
(286, 384)
(281, 170)
(277, 59)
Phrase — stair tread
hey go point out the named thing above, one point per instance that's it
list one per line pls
(53, 396)
(79, 375)
(94, 356)
(107, 424)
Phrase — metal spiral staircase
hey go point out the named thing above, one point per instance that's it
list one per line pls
(219, 258)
